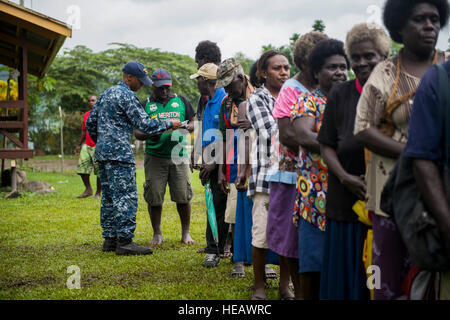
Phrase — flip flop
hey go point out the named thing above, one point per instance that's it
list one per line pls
(266, 286)
(258, 298)
(270, 273)
(226, 255)
(201, 250)
(285, 298)
(211, 261)
(238, 272)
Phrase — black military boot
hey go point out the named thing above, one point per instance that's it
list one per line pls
(110, 245)
(126, 247)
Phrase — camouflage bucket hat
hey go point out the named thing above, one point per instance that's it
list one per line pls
(227, 71)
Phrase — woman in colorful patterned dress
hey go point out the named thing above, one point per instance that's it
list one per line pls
(282, 235)
(329, 64)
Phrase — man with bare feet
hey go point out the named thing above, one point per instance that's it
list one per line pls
(111, 124)
(167, 160)
(86, 163)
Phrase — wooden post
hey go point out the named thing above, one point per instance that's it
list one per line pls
(8, 91)
(13, 176)
(23, 89)
(14, 193)
(3, 160)
(62, 140)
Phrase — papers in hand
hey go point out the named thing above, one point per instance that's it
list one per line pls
(183, 126)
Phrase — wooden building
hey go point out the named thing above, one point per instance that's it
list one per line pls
(29, 42)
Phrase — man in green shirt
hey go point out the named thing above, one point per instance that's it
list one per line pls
(167, 159)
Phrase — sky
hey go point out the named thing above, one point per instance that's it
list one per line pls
(179, 25)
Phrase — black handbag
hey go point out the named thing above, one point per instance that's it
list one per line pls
(401, 199)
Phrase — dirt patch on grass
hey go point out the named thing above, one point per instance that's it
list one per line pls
(30, 283)
(123, 280)
(55, 165)
(87, 280)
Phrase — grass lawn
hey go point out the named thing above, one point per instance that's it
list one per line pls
(42, 235)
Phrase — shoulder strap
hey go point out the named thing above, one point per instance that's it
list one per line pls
(227, 123)
(444, 98)
(223, 100)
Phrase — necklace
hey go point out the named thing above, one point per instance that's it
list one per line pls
(387, 125)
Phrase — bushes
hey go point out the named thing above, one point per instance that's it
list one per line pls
(46, 134)
(78, 73)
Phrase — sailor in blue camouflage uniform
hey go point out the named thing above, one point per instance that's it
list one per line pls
(111, 123)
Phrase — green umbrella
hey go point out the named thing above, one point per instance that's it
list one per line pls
(211, 212)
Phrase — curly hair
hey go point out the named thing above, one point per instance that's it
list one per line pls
(263, 62)
(322, 51)
(209, 51)
(397, 12)
(304, 45)
(373, 33)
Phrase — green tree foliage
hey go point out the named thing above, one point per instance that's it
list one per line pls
(395, 48)
(269, 47)
(46, 131)
(319, 26)
(351, 75)
(180, 66)
(78, 73)
(286, 50)
(245, 61)
(293, 40)
(38, 89)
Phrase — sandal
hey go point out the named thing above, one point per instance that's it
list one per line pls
(211, 261)
(201, 250)
(257, 298)
(286, 298)
(252, 288)
(238, 271)
(270, 273)
(226, 255)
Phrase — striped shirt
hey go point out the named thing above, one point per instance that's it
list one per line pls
(259, 112)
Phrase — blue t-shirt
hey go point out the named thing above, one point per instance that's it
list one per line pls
(211, 118)
(426, 130)
(294, 84)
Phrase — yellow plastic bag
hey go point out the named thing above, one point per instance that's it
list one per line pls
(363, 216)
(367, 255)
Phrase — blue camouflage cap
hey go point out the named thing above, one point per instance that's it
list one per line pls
(138, 70)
